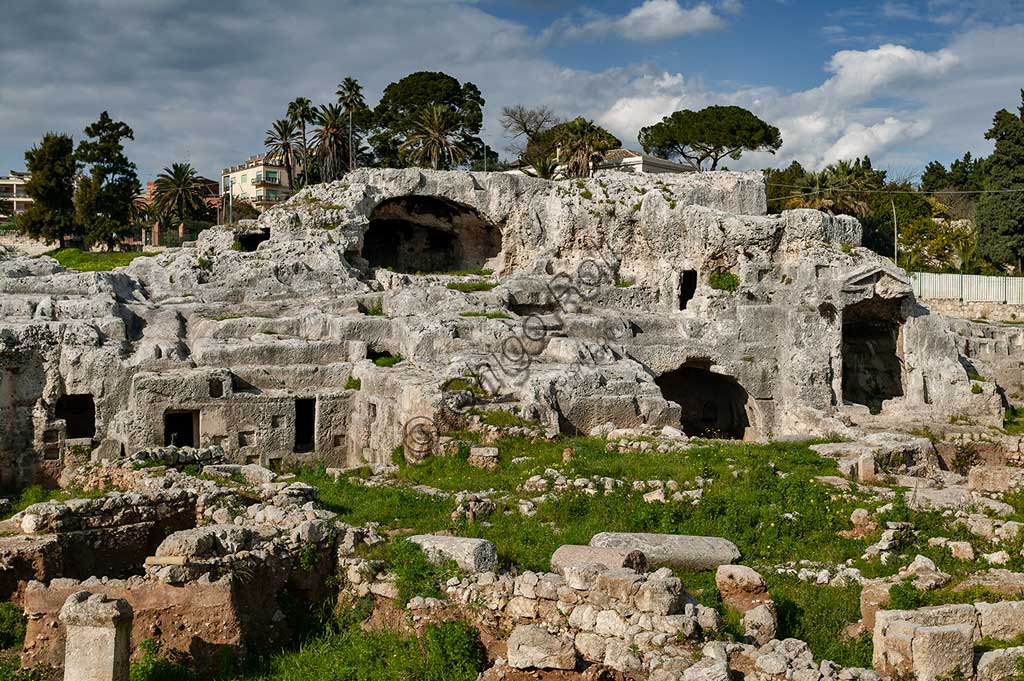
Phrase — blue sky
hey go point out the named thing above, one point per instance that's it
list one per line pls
(904, 81)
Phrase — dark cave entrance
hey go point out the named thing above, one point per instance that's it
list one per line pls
(429, 234)
(250, 241)
(713, 405)
(687, 287)
(872, 366)
(305, 425)
(181, 428)
(79, 414)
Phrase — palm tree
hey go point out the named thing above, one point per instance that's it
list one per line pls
(839, 189)
(580, 143)
(434, 140)
(280, 141)
(542, 165)
(178, 192)
(300, 112)
(330, 140)
(350, 96)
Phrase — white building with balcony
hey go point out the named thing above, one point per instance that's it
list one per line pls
(12, 189)
(261, 181)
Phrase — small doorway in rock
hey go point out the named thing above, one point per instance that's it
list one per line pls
(305, 425)
(872, 361)
(181, 427)
(687, 287)
(79, 414)
(250, 241)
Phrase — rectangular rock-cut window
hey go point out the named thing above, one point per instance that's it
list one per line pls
(216, 387)
(79, 414)
(687, 287)
(181, 427)
(305, 425)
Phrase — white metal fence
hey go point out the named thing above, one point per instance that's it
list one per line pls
(969, 288)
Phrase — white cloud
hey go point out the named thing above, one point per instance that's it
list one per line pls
(860, 140)
(192, 86)
(652, 20)
(860, 74)
(889, 102)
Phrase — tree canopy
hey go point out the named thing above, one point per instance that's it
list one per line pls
(1000, 214)
(401, 110)
(51, 215)
(709, 135)
(103, 202)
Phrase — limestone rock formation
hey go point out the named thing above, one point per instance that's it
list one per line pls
(374, 311)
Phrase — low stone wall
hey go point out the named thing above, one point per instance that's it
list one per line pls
(200, 617)
(1000, 312)
(625, 620)
(24, 244)
(939, 640)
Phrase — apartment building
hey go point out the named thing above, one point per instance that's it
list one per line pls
(12, 188)
(261, 181)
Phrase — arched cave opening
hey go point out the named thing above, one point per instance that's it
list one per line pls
(429, 234)
(872, 365)
(713, 405)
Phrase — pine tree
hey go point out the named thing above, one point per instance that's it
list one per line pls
(103, 202)
(51, 215)
(1000, 215)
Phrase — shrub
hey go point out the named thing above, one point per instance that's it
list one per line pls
(965, 457)
(375, 310)
(976, 389)
(154, 667)
(469, 384)
(388, 360)
(723, 281)
(471, 286)
(12, 625)
(624, 282)
(353, 383)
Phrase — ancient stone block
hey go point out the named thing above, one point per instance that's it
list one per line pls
(98, 642)
(532, 647)
(673, 550)
(473, 555)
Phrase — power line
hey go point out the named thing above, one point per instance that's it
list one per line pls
(887, 191)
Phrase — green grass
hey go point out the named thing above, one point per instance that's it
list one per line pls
(36, 494)
(818, 614)
(447, 652)
(12, 625)
(748, 509)
(723, 281)
(474, 272)
(471, 286)
(488, 315)
(468, 384)
(391, 507)
(1013, 421)
(388, 360)
(624, 282)
(353, 383)
(506, 419)
(88, 261)
(375, 310)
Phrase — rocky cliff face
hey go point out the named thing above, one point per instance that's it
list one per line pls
(396, 297)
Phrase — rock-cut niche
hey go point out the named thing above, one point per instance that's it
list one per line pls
(429, 234)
